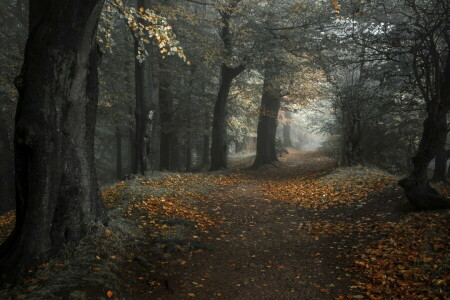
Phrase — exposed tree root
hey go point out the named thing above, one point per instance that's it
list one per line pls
(422, 195)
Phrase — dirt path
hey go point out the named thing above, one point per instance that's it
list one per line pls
(260, 250)
(257, 253)
(300, 230)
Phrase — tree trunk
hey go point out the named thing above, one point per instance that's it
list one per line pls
(219, 129)
(132, 151)
(447, 155)
(7, 168)
(287, 131)
(188, 157)
(154, 129)
(57, 195)
(174, 153)
(416, 186)
(268, 121)
(440, 163)
(119, 169)
(440, 166)
(206, 150)
(143, 82)
(165, 111)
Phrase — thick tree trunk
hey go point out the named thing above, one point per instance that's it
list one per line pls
(165, 113)
(416, 186)
(57, 195)
(7, 169)
(219, 129)
(119, 168)
(268, 122)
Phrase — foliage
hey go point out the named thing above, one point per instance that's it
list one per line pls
(144, 24)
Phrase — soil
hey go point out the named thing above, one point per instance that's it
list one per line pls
(260, 249)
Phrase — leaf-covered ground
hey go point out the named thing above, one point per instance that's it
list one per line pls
(301, 230)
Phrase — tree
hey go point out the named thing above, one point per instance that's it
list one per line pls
(57, 196)
(268, 115)
(144, 86)
(415, 34)
(283, 26)
(13, 30)
(219, 146)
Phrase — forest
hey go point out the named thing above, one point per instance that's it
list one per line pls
(229, 149)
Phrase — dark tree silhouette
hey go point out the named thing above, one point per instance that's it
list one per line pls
(57, 195)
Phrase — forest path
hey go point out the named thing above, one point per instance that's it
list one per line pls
(300, 230)
(261, 249)
(258, 252)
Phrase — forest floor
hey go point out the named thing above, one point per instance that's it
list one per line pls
(303, 229)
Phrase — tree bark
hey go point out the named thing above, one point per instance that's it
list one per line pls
(139, 114)
(416, 186)
(440, 163)
(119, 168)
(440, 166)
(206, 150)
(143, 84)
(165, 111)
(132, 151)
(7, 167)
(174, 153)
(227, 74)
(57, 195)
(219, 129)
(268, 120)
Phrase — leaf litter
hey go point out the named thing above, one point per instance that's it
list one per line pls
(376, 255)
